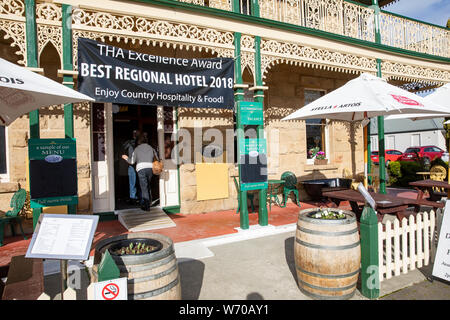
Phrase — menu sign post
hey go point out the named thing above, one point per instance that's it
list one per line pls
(53, 172)
(63, 237)
(441, 266)
(252, 157)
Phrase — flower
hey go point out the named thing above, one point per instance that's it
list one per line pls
(320, 155)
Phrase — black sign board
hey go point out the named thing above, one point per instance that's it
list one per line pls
(53, 172)
(111, 74)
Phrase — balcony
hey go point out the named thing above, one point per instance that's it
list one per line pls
(347, 18)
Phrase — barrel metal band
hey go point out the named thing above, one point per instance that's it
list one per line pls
(316, 246)
(352, 286)
(146, 266)
(321, 297)
(154, 292)
(326, 233)
(328, 276)
(154, 276)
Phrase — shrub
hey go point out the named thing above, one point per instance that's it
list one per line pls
(401, 173)
(439, 162)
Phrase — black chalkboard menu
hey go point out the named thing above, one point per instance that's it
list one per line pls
(53, 172)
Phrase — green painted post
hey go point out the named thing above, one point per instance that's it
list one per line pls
(32, 61)
(380, 119)
(381, 145)
(370, 282)
(107, 269)
(242, 197)
(263, 218)
(369, 151)
(68, 79)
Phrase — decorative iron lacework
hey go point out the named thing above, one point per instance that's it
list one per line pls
(415, 36)
(273, 52)
(336, 16)
(406, 72)
(248, 53)
(49, 28)
(12, 7)
(12, 22)
(102, 25)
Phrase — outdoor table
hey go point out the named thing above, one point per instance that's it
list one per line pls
(384, 203)
(428, 185)
(274, 186)
(424, 174)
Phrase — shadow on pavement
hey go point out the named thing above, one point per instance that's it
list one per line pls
(191, 277)
(289, 255)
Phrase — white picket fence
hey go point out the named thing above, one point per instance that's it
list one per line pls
(407, 245)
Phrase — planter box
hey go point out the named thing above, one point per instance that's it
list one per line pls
(320, 161)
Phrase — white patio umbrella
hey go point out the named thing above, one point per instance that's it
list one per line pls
(365, 97)
(440, 96)
(22, 91)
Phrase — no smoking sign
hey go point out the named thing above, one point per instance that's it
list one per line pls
(115, 289)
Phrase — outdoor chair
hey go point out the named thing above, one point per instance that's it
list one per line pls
(438, 173)
(17, 204)
(250, 196)
(290, 185)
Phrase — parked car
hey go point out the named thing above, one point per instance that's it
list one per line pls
(389, 155)
(428, 153)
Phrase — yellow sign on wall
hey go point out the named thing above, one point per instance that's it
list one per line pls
(212, 181)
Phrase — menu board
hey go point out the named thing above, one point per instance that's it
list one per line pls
(53, 172)
(253, 163)
(62, 236)
(441, 267)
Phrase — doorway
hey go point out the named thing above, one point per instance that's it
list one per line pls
(127, 118)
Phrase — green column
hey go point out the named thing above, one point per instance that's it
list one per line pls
(370, 282)
(67, 78)
(32, 61)
(369, 151)
(380, 119)
(32, 56)
(238, 96)
(263, 218)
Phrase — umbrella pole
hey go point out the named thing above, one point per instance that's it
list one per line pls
(381, 155)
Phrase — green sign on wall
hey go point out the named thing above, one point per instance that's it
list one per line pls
(253, 163)
(53, 172)
(251, 113)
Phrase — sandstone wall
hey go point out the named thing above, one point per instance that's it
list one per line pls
(52, 126)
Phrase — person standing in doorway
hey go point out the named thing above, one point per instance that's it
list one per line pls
(128, 147)
(143, 156)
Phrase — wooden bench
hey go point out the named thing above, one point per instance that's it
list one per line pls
(25, 279)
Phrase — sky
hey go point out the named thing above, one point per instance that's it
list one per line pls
(431, 11)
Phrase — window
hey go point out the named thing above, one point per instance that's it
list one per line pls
(315, 128)
(245, 7)
(3, 154)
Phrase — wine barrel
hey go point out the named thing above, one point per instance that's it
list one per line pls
(152, 276)
(327, 255)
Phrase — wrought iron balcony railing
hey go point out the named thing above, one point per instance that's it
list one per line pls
(347, 18)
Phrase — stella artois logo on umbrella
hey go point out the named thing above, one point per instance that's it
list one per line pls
(406, 100)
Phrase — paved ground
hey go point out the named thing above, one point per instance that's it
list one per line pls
(248, 266)
(425, 290)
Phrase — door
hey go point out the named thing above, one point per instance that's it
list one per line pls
(415, 140)
(102, 157)
(168, 179)
(390, 142)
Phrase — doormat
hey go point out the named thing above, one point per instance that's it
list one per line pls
(136, 220)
